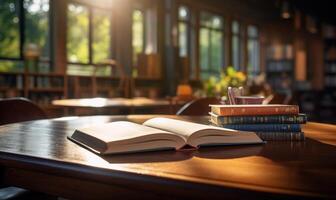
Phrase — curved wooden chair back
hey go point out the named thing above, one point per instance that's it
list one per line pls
(279, 99)
(198, 106)
(18, 110)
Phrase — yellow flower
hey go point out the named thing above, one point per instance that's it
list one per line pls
(241, 76)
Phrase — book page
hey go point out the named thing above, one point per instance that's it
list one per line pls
(182, 128)
(119, 131)
(199, 134)
(125, 137)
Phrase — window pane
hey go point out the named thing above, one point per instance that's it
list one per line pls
(235, 27)
(78, 34)
(216, 52)
(252, 31)
(206, 19)
(253, 57)
(183, 39)
(137, 34)
(217, 22)
(211, 45)
(12, 66)
(82, 70)
(37, 26)
(183, 13)
(204, 49)
(236, 52)
(9, 29)
(101, 36)
(211, 21)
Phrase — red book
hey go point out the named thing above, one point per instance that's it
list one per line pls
(241, 110)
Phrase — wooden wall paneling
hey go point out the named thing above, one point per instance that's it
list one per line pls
(315, 53)
(123, 33)
(59, 23)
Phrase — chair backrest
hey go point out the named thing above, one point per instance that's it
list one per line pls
(19, 109)
(198, 106)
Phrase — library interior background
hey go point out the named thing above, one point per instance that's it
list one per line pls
(166, 49)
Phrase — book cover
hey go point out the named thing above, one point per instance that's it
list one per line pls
(264, 127)
(242, 110)
(259, 119)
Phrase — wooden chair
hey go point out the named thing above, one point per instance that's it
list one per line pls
(278, 99)
(198, 106)
(19, 110)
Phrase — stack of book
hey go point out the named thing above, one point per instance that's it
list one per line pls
(270, 122)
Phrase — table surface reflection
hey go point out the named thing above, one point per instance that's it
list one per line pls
(60, 167)
(111, 102)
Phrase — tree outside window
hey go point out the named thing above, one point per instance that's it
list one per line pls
(138, 34)
(34, 15)
(88, 39)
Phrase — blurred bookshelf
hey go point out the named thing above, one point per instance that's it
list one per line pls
(41, 88)
(280, 66)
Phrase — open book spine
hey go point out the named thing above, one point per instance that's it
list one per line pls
(281, 136)
(260, 119)
(255, 110)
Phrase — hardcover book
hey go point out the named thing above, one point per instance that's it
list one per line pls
(259, 119)
(239, 110)
(263, 127)
(156, 134)
(281, 136)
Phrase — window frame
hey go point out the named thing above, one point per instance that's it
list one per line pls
(189, 25)
(90, 32)
(241, 44)
(257, 40)
(144, 27)
(22, 21)
(210, 29)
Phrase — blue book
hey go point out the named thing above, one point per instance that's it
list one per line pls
(264, 127)
(259, 119)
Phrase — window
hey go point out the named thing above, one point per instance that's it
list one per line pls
(237, 46)
(183, 28)
(186, 39)
(211, 45)
(9, 29)
(101, 35)
(138, 34)
(78, 34)
(37, 30)
(253, 64)
(24, 27)
(89, 38)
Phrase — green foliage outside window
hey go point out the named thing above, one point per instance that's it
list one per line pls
(36, 31)
(101, 36)
(9, 29)
(211, 45)
(78, 34)
(37, 25)
(137, 34)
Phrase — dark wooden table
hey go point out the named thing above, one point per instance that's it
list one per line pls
(38, 156)
(115, 105)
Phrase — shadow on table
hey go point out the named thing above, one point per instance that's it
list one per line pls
(310, 150)
(278, 151)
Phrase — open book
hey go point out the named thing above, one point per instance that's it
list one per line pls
(156, 134)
